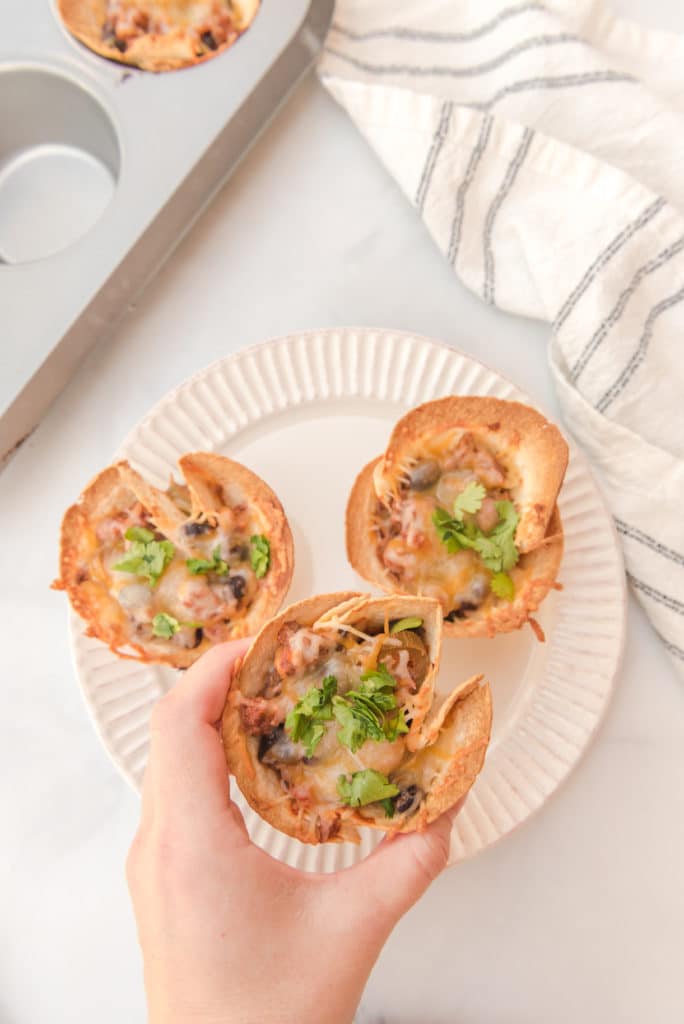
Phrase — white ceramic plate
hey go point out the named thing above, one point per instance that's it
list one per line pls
(306, 412)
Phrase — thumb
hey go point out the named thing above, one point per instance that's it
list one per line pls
(398, 872)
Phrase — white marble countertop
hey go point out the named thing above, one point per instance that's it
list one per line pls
(577, 916)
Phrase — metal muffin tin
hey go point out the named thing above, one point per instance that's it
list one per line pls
(103, 168)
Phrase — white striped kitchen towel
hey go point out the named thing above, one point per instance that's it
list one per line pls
(543, 145)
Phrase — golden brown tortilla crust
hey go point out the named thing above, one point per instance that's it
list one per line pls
(360, 540)
(533, 576)
(259, 785)
(465, 734)
(539, 454)
(89, 596)
(104, 616)
(85, 20)
(522, 436)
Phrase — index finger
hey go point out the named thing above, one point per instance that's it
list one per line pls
(187, 772)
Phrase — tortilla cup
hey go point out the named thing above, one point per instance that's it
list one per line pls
(168, 50)
(444, 748)
(118, 488)
(535, 456)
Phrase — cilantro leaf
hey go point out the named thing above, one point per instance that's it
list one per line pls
(216, 564)
(379, 678)
(146, 558)
(502, 586)
(139, 533)
(469, 500)
(365, 787)
(504, 533)
(370, 712)
(260, 554)
(303, 722)
(388, 806)
(165, 626)
(411, 622)
(352, 732)
(395, 726)
(496, 549)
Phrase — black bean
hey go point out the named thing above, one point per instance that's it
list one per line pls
(238, 585)
(408, 799)
(267, 740)
(209, 41)
(199, 634)
(424, 474)
(461, 611)
(276, 747)
(195, 529)
(121, 45)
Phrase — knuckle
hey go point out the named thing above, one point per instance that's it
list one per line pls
(159, 858)
(432, 855)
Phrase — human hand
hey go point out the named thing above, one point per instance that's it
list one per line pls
(228, 934)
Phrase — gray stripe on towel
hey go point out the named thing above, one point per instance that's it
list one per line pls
(433, 153)
(594, 343)
(605, 257)
(650, 542)
(511, 174)
(475, 157)
(657, 595)
(431, 36)
(448, 70)
(558, 82)
(642, 348)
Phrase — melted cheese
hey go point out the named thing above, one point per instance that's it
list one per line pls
(416, 556)
(165, 15)
(317, 780)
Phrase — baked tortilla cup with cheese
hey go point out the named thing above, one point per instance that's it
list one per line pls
(158, 35)
(462, 508)
(163, 575)
(332, 723)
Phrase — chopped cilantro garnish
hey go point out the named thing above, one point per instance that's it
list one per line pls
(146, 556)
(365, 787)
(139, 533)
(469, 500)
(379, 678)
(388, 805)
(411, 622)
(370, 712)
(165, 626)
(503, 535)
(496, 549)
(260, 554)
(352, 732)
(216, 564)
(502, 585)
(304, 721)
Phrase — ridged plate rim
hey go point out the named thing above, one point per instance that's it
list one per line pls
(553, 725)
